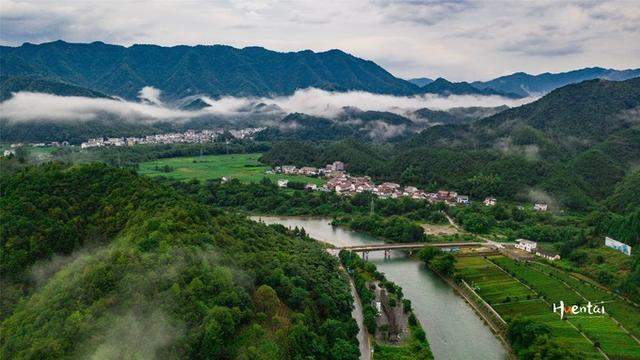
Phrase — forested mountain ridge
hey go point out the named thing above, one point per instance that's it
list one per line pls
(182, 71)
(10, 85)
(525, 84)
(572, 146)
(96, 258)
(573, 117)
(445, 87)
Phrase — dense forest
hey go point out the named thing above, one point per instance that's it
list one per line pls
(94, 259)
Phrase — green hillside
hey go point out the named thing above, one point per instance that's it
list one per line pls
(100, 262)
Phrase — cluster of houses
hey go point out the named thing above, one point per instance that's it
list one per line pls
(532, 247)
(187, 137)
(342, 183)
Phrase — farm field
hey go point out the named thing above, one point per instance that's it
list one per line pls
(244, 167)
(510, 298)
(556, 285)
(625, 313)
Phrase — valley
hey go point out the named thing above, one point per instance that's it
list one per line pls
(353, 180)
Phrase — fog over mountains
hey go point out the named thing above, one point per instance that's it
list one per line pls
(61, 82)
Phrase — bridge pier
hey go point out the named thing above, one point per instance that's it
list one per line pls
(365, 255)
(387, 254)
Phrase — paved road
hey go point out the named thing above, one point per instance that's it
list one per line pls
(363, 334)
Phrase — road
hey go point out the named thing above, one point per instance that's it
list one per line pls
(363, 335)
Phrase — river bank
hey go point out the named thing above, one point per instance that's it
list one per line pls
(453, 329)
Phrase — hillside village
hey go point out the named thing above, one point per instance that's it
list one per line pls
(342, 183)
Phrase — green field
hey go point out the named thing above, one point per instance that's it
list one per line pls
(509, 294)
(244, 167)
(556, 285)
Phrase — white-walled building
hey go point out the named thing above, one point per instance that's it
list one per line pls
(540, 207)
(547, 255)
(526, 245)
(489, 201)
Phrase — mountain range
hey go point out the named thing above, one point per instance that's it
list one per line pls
(525, 84)
(182, 71)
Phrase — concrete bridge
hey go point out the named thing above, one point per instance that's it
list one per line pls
(365, 249)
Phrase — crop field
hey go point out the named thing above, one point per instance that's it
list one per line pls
(495, 285)
(491, 283)
(625, 313)
(244, 167)
(556, 285)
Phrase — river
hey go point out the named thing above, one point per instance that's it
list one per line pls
(454, 331)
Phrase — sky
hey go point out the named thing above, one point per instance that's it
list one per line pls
(460, 40)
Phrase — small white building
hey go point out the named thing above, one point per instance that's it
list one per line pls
(462, 199)
(547, 255)
(289, 169)
(8, 153)
(540, 207)
(283, 183)
(311, 186)
(338, 165)
(489, 201)
(526, 245)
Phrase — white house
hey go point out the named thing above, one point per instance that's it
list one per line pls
(489, 201)
(526, 245)
(283, 183)
(462, 199)
(540, 207)
(289, 169)
(311, 186)
(547, 255)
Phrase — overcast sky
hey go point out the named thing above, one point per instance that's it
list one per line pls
(459, 40)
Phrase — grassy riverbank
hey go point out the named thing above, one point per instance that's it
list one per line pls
(413, 344)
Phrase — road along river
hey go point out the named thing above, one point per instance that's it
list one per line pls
(454, 331)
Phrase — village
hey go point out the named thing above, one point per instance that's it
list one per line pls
(187, 137)
(340, 182)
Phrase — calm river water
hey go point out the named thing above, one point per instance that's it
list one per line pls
(453, 329)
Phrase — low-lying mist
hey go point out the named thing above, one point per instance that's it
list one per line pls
(29, 106)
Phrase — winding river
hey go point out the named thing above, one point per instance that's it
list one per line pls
(453, 329)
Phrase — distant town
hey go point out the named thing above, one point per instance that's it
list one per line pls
(187, 137)
(340, 182)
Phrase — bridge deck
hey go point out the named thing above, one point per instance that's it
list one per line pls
(408, 246)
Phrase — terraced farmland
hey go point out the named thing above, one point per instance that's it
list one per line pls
(509, 297)
(555, 286)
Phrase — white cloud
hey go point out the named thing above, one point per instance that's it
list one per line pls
(150, 94)
(460, 40)
(27, 106)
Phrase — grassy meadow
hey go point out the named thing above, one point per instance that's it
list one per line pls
(244, 167)
(515, 289)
